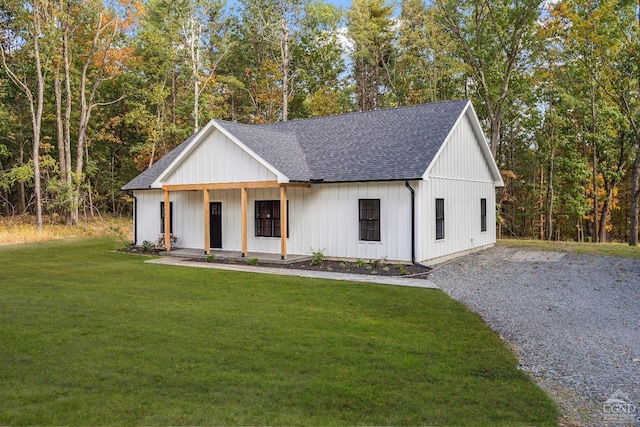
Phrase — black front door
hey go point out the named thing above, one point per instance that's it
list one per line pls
(215, 223)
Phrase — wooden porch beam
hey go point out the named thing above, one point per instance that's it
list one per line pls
(167, 221)
(207, 222)
(232, 185)
(243, 197)
(221, 186)
(283, 222)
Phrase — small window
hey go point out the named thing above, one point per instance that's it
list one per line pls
(483, 214)
(439, 219)
(170, 217)
(268, 218)
(370, 219)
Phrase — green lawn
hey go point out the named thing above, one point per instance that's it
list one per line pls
(605, 249)
(92, 337)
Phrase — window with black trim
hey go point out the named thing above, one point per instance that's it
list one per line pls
(439, 219)
(369, 219)
(483, 214)
(170, 217)
(268, 218)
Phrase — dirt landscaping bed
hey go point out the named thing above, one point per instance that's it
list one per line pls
(373, 268)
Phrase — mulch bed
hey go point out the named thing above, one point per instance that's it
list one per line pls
(373, 267)
(359, 267)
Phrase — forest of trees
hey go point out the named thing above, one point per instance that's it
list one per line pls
(94, 91)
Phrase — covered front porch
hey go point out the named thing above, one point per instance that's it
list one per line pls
(242, 187)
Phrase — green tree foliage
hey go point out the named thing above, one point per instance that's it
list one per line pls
(123, 82)
(426, 69)
(494, 39)
(596, 59)
(370, 27)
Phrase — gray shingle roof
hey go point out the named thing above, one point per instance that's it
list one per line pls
(381, 145)
(279, 149)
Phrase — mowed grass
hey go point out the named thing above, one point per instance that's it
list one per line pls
(603, 249)
(93, 337)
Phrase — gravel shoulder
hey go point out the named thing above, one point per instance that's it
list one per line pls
(574, 320)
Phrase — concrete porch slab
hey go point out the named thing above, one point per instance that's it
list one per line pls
(263, 257)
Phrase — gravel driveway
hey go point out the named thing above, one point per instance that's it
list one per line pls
(574, 320)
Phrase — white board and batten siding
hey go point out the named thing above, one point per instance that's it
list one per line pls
(324, 217)
(461, 177)
(188, 217)
(218, 159)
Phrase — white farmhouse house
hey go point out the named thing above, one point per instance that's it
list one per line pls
(407, 184)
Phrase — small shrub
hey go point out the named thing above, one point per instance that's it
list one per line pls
(160, 242)
(317, 257)
(148, 246)
(253, 261)
(379, 263)
(374, 272)
(369, 267)
(344, 266)
(210, 258)
(361, 263)
(402, 270)
(385, 268)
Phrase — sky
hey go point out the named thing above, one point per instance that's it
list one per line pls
(346, 4)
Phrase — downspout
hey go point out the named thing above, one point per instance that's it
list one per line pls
(135, 218)
(413, 227)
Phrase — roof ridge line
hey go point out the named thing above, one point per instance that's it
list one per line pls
(353, 113)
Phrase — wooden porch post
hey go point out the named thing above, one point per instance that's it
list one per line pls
(207, 222)
(167, 221)
(243, 197)
(283, 222)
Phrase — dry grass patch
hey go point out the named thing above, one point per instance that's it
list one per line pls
(22, 229)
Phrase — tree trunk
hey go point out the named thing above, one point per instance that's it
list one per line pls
(70, 218)
(86, 105)
(550, 200)
(285, 60)
(594, 162)
(635, 195)
(22, 199)
(37, 120)
(57, 84)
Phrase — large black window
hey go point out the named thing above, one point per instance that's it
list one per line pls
(268, 218)
(439, 219)
(170, 217)
(483, 214)
(370, 219)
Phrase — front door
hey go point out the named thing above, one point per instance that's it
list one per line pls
(215, 221)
